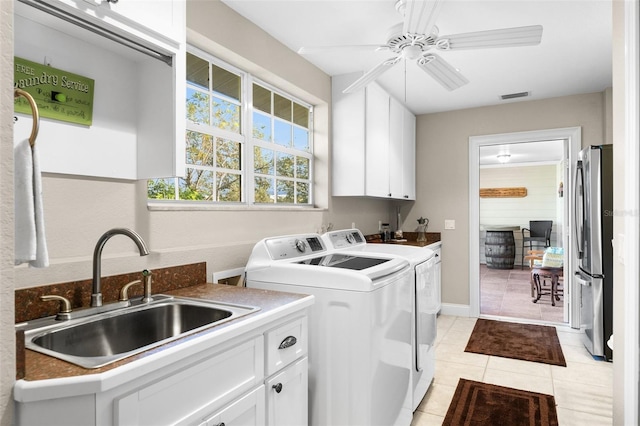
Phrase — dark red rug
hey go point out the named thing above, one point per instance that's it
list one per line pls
(476, 404)
(537, 343)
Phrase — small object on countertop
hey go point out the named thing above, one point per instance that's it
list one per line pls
(386, 232)
(422, 228)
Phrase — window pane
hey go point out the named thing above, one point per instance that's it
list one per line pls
(284, 165)
(302, 193)
(199, 149)
(261, 127)
(263, 192)
(196, 185)
(302, 168)
(226, 115)
(225, 82)
(197, 106)
(161, 189)
(301, 115)
(229, 187)
(261, 99)
(282, 134)
(263, 161)
(197, 71)
(301, 139)
(281, 107)
(227, 154)
(285, 191)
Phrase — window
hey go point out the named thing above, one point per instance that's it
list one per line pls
(261, 157)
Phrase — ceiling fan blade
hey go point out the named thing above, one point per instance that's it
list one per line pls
(420, 16)
(372, 74)
(327, 49)
(506, 37)
(441, 71)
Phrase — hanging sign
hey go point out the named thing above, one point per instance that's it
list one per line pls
(60, 95)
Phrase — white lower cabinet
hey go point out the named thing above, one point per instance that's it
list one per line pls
(194, 392)
(258, 377)
(246, 411)
(287, 396)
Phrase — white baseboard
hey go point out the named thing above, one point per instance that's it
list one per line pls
(455, 310)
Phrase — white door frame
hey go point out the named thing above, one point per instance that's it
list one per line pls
(573, 138)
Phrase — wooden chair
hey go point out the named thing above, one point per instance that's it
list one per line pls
(555, 275)
(534, 257)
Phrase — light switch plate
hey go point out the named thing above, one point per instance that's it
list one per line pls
(449, 224)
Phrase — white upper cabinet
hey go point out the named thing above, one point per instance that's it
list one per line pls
(134, 50)
(160, 19)
(373, 143)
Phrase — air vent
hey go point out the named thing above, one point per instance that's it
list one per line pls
(514, 95)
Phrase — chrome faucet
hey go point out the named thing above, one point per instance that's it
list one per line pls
(96, 292)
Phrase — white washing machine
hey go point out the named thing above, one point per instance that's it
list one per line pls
(424, 296)
(359, 327)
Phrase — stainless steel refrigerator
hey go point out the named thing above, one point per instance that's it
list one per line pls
(594, 235)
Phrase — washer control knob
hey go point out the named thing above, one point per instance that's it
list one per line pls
(350, 239)
(300, 246)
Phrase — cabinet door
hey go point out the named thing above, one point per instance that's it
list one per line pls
(246, 411)
(197, 390)
(377, 142)
(409, 156)
(287, 396)
(396, 143)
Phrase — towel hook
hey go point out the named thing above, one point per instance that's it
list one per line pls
(34, 112)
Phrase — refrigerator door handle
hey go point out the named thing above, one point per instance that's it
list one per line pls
(581, 281)
(579, 208)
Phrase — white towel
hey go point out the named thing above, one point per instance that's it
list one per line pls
(30, 240)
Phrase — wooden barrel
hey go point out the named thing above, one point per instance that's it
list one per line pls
(500, 249)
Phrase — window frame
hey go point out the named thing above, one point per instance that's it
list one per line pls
(247, 144)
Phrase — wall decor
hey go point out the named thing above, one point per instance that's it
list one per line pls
(59, 94)
(518, 192)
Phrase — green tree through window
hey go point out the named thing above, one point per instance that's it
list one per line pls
(217, 168)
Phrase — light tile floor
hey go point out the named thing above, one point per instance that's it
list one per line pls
(583, 390)
(507, 293)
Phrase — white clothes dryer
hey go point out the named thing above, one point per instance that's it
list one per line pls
(359, 339)
(424, 298)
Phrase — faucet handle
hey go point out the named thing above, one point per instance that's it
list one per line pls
(65, 306)
(124, 291)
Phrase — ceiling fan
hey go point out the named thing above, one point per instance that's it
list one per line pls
(417, 36)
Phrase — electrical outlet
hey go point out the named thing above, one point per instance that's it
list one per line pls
(449, 224)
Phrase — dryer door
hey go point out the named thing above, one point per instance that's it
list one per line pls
(426, 300)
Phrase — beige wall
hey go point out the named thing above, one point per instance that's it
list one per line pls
(7, 334)
(79, 210)
(443, 161)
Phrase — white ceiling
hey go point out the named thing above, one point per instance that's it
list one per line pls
(574, 56)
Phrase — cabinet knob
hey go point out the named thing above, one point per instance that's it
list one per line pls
(277, 387)
(406, 196)
(389, 194)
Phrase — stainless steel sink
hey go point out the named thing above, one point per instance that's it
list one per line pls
(104, 338)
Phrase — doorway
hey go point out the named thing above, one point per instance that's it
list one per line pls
(571, 140)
